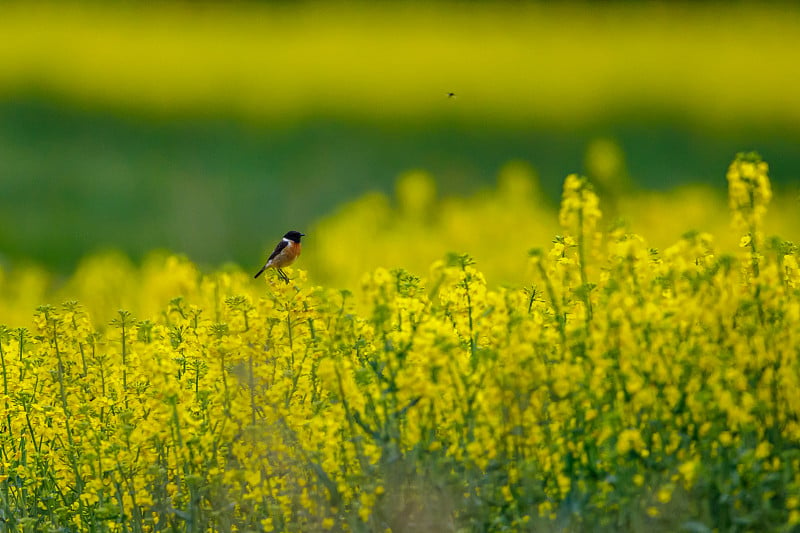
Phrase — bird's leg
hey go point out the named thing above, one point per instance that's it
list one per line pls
(283, 275)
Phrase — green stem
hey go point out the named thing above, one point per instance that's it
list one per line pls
(551, 292)
(582, 261)
(67, 414)
(80, 347)
(472, 345)
(5, 393)
(124, 362)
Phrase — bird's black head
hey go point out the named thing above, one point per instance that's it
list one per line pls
(294, 236)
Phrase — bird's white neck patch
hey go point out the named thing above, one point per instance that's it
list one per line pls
(287, 240)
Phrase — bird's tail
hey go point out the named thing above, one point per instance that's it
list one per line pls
(260, 271)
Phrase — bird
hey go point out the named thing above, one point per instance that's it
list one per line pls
(451, 95)
(284, 254)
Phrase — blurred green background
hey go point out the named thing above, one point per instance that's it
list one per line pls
(211, 129)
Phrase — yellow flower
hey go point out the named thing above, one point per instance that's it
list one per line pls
(629, 440)
(763, 450)
(689, 471)
(664, 494)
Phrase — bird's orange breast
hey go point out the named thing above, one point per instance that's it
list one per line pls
(287, 255)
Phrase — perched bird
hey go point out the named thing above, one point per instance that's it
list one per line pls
(284, 254)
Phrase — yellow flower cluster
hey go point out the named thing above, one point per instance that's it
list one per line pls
(621, 383)
(749, 190)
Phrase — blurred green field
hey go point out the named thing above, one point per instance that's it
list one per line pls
(74, 182)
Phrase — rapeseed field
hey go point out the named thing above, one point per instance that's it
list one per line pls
(621, 388)
(559, 64)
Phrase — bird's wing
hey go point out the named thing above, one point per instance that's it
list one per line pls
(278, 249)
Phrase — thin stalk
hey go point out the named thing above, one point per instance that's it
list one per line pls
(67, 414)
(582, 261)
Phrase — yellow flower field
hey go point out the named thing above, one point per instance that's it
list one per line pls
(621, 388)
(559, 64)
